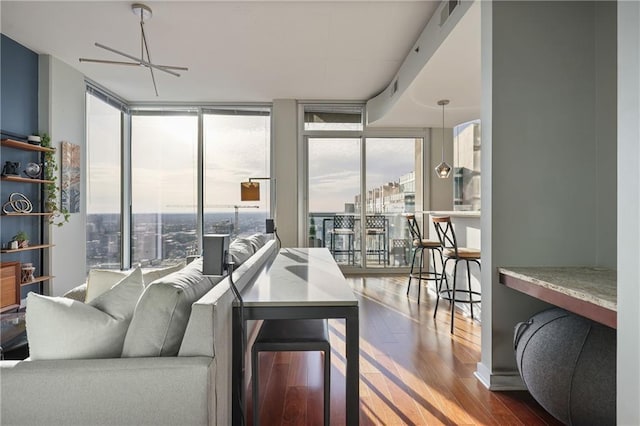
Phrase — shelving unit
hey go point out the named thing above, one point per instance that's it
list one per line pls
(40, 242)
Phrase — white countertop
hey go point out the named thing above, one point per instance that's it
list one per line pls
(300, 277)
(456, 213)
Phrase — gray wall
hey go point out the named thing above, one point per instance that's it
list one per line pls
(547, 141)
(62, 115)
(628, 213)
(440, 190)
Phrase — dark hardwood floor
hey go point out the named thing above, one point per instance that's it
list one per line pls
(412, 371)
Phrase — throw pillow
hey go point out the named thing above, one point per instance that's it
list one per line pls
(78, 293)
(161, 315)
(240, 250)
(62, 328)
(151, 275)
(257, 241)
(101, 280)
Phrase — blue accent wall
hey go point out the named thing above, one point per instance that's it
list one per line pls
(19, 116)
(19, 90)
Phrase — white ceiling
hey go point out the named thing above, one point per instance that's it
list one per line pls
(242, 51)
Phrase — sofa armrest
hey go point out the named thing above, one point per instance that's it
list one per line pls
(140, 391)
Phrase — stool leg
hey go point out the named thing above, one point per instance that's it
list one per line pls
(439, 289)
(469, 287)
(256, 386)
(453, 294)
(420, 272)
(413, 261)
(443, 274)
(434, 273)
(327, 385)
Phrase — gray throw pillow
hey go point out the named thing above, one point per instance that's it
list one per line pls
(162, 313)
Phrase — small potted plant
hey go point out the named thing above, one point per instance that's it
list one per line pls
(22, 238)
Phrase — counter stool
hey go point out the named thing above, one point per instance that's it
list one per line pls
(420, 245)
(451, 251)
(343, 226)
(292, 335)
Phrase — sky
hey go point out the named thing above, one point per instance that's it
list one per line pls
(164, 158)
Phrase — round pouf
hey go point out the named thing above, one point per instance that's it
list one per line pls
(568, 363)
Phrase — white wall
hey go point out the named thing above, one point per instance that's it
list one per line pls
(285, 166)
(62, 115)
(542, 136)
(628, 390)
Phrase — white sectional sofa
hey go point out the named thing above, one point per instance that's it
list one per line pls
(192, 388)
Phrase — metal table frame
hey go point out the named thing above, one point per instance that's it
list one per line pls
(271, 309)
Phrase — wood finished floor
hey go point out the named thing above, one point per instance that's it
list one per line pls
(412, 371)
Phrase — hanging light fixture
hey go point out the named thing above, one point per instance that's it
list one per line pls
(144, 13)
(443, 170)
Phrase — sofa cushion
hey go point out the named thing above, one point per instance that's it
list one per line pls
(151, 275)
(240, 250)
(62, 328)
(257, 241)
(162, 313)
(101, 280)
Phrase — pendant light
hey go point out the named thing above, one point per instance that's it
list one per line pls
(443, 170)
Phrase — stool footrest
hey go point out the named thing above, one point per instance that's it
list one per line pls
(446, 295)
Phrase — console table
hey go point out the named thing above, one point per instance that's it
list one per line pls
(301, 283)
(587, 291)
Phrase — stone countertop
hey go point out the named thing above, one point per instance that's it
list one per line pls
(590, 284)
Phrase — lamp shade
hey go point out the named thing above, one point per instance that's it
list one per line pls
(250, 191)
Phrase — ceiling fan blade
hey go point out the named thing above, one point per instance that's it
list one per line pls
(171, 67)
(142, 61)
(146, 48)
(102, 61)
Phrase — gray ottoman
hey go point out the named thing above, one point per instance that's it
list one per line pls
(569, 366)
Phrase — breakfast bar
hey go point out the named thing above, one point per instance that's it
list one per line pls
(586, 291)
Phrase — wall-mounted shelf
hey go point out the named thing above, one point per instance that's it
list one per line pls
(38, 154)
(27, 214)
(37, 280)
(25, 146)
(24, 180)
(36, 247)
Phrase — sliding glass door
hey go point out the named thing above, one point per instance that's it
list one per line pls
(390, 182)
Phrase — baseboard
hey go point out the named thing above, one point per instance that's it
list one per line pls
(499, 382)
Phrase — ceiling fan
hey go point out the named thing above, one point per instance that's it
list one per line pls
(144, 12)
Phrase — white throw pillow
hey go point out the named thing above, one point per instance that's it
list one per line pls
(240, 250)
(257, 240)
(151, 275)
(62, 328)
(101, 280)
(162, 313)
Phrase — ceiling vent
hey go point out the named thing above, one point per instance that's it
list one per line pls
(447, 9)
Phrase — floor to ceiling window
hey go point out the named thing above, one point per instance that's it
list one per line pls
(164, 173)
(156, 184)
(358, 187)
(236, 148)
(104, 130)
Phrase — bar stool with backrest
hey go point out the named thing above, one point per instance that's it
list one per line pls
(376, 226)
(292, 335)
(421, 244)
(343, 226)
(451, 251)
